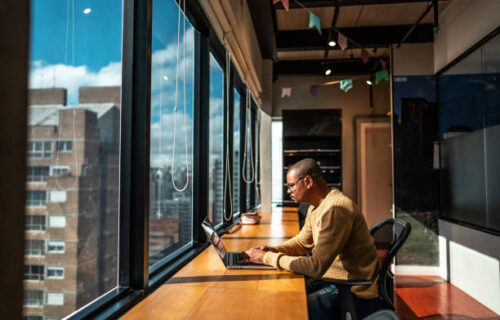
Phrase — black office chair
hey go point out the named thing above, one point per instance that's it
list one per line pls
(389, 236)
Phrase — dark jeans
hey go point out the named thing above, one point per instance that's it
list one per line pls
(323, 302)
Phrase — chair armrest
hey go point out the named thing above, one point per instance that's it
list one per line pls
(351, 282)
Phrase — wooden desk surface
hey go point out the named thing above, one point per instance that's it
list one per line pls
(205, 289)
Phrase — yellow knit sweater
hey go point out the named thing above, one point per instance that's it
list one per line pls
(341, 247)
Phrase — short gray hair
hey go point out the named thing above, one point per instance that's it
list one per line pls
(307, 167)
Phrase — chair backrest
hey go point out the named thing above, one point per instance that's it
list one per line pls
(389, 236)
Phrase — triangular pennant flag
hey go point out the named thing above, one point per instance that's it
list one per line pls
(286, 92)
(381, 75)
(314, 89)
(314, 21)
(365, 56)
(346, 84)
(342, 40)
(383, 64)
(285, 3)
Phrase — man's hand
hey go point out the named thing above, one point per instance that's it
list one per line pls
(255, 255)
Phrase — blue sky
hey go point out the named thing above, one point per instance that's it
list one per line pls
(97, 35)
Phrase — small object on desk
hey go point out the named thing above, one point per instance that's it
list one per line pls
(250, 218)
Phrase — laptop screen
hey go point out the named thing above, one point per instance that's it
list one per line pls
(214, 238)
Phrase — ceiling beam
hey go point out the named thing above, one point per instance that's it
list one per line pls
(368, 37)
(340, 67)
(344, 3)
(264, 23)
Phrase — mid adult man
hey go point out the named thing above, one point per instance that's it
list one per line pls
(337, 239)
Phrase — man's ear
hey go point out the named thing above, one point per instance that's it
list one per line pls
(309, 182)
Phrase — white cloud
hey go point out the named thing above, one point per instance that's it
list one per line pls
(43, 75)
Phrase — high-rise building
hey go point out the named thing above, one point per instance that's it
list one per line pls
(72, 203)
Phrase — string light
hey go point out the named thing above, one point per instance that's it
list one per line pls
(332, 43)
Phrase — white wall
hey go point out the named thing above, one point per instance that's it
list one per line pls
(470, 261)
(413, 59)
(461, 25)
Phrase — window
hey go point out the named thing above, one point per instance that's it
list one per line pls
(39, 149)
(59, 170)
(64, 146)
(55, 273)
(34, 272)
(57, 221)
(37, 174)
(55, 298)
(216, 144)
(55, 246)
(171, 188)
(77, 140)
(35, 223)
(57, 196)
(236, 152)
(34, 247)
(33, 298)
(277, 160)
(34, 318)
(36, 198)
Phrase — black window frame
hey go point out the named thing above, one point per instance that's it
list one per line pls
(136, 278)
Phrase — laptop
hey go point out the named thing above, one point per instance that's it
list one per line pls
(232, 260)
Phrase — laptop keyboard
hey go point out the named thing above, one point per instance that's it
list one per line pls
(233, 259)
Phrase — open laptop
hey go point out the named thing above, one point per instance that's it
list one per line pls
(232, 260)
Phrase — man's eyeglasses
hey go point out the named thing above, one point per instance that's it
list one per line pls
(291, 186)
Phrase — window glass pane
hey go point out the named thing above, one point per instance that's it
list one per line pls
(171, 205)
(277, 160)
(247, 157)
(236, 152)
(216, 144)
(73, 152)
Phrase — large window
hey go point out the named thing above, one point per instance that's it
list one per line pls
(236, 151)
(171, 153)
(277, 160)
(216, 144)
(74, 149)
(469, 132)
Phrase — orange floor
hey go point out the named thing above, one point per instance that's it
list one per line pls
(419, 297)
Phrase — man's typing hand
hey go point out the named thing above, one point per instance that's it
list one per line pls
(255, 255)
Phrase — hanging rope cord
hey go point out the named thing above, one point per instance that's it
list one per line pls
(245, 158)
(172, 171)
(228, 175)
(73, 85)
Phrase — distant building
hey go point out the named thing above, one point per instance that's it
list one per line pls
(72, 202)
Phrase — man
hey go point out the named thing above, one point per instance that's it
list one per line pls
(337, 238)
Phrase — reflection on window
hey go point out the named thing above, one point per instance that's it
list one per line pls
(73, 154)
(216, 144)
(171, 188)
(64, 146)
(277, 160)
(33, 298)
(39, 149)
(34, 272)
(236, 152)
(35, 223)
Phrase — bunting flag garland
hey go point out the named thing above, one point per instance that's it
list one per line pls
(286, 92)
(365, 56)
(383, 64)
(285, 3)
(342, 40)
(346, 85)
(314, 89)
(381, 75)
(314, 21)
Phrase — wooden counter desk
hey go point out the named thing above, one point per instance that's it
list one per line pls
(205, 289)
